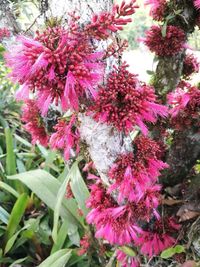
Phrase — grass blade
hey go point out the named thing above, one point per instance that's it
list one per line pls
(4, 215)
(59, 199)
(10, 156)
(9, 189)
(16, 215)
(79, 188)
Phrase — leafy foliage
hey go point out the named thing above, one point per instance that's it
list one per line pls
(38, 225)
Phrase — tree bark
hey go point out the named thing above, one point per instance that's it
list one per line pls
(185, 149)
(7, 17)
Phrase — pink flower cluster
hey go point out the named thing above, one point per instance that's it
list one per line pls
(157, 237)
(34, 123)
(132, 198)
(62, 66)
(113, 21)
(197, 4)
(57, 66)
(185, 106)
(66, 137)
(158, 8)
(190, 66)
(168, 44)
(135, 174)
(125, 103)
(4, 32)
(85, 245)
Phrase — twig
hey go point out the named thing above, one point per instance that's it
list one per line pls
(32, 24)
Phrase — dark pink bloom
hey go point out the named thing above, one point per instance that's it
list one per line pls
(134, 173)
(158, 237)
(190, 65)
(115, 223)
(89, 166)
(4, 32)
(126, 260)
(158, 8)
(69, 193)
(118, 224)
(197, 4)
(85, 245)
(165, 45)
(57, 66)
(125, 103)
(185, 103)
(106, 22)
(178, 100)
(34, 123)
(66, 137)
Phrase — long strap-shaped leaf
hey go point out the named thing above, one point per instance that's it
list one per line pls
(46, 187)
(58, 259)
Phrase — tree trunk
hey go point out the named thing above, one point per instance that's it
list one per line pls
(185, 149)
(104, 142)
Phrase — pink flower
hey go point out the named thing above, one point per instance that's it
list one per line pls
(89, 166)
(158, 237)
(85, 245)
(118, 224)
(133, 174)
(185, 103)
(197, 4)
(106, 22)
(190, 66)
(4, 32)
(165, 45)
(115, 223)
(179, 100)
(126, 260)
(58, 66)
(34, 123)
(158, 8)
(25, 59)
(125, 104)
(66, 137)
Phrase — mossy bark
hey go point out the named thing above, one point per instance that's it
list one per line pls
(185, 149)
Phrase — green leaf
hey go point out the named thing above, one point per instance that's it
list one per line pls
(46, 187)
(128, 251)
(16, 215)
(150, 72)
(74, 236)
(62, 176)
(12, 240)
(20, 166)
(62, 234)
(79, 188)
(49, 161)
(10, 156)
(168, 253)
(58, 259)
(164, 30)
(18, 261)
(9, 189)
(59, 199)
(2, 49)
(179, 249)
(23, 141)
(4, 215)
